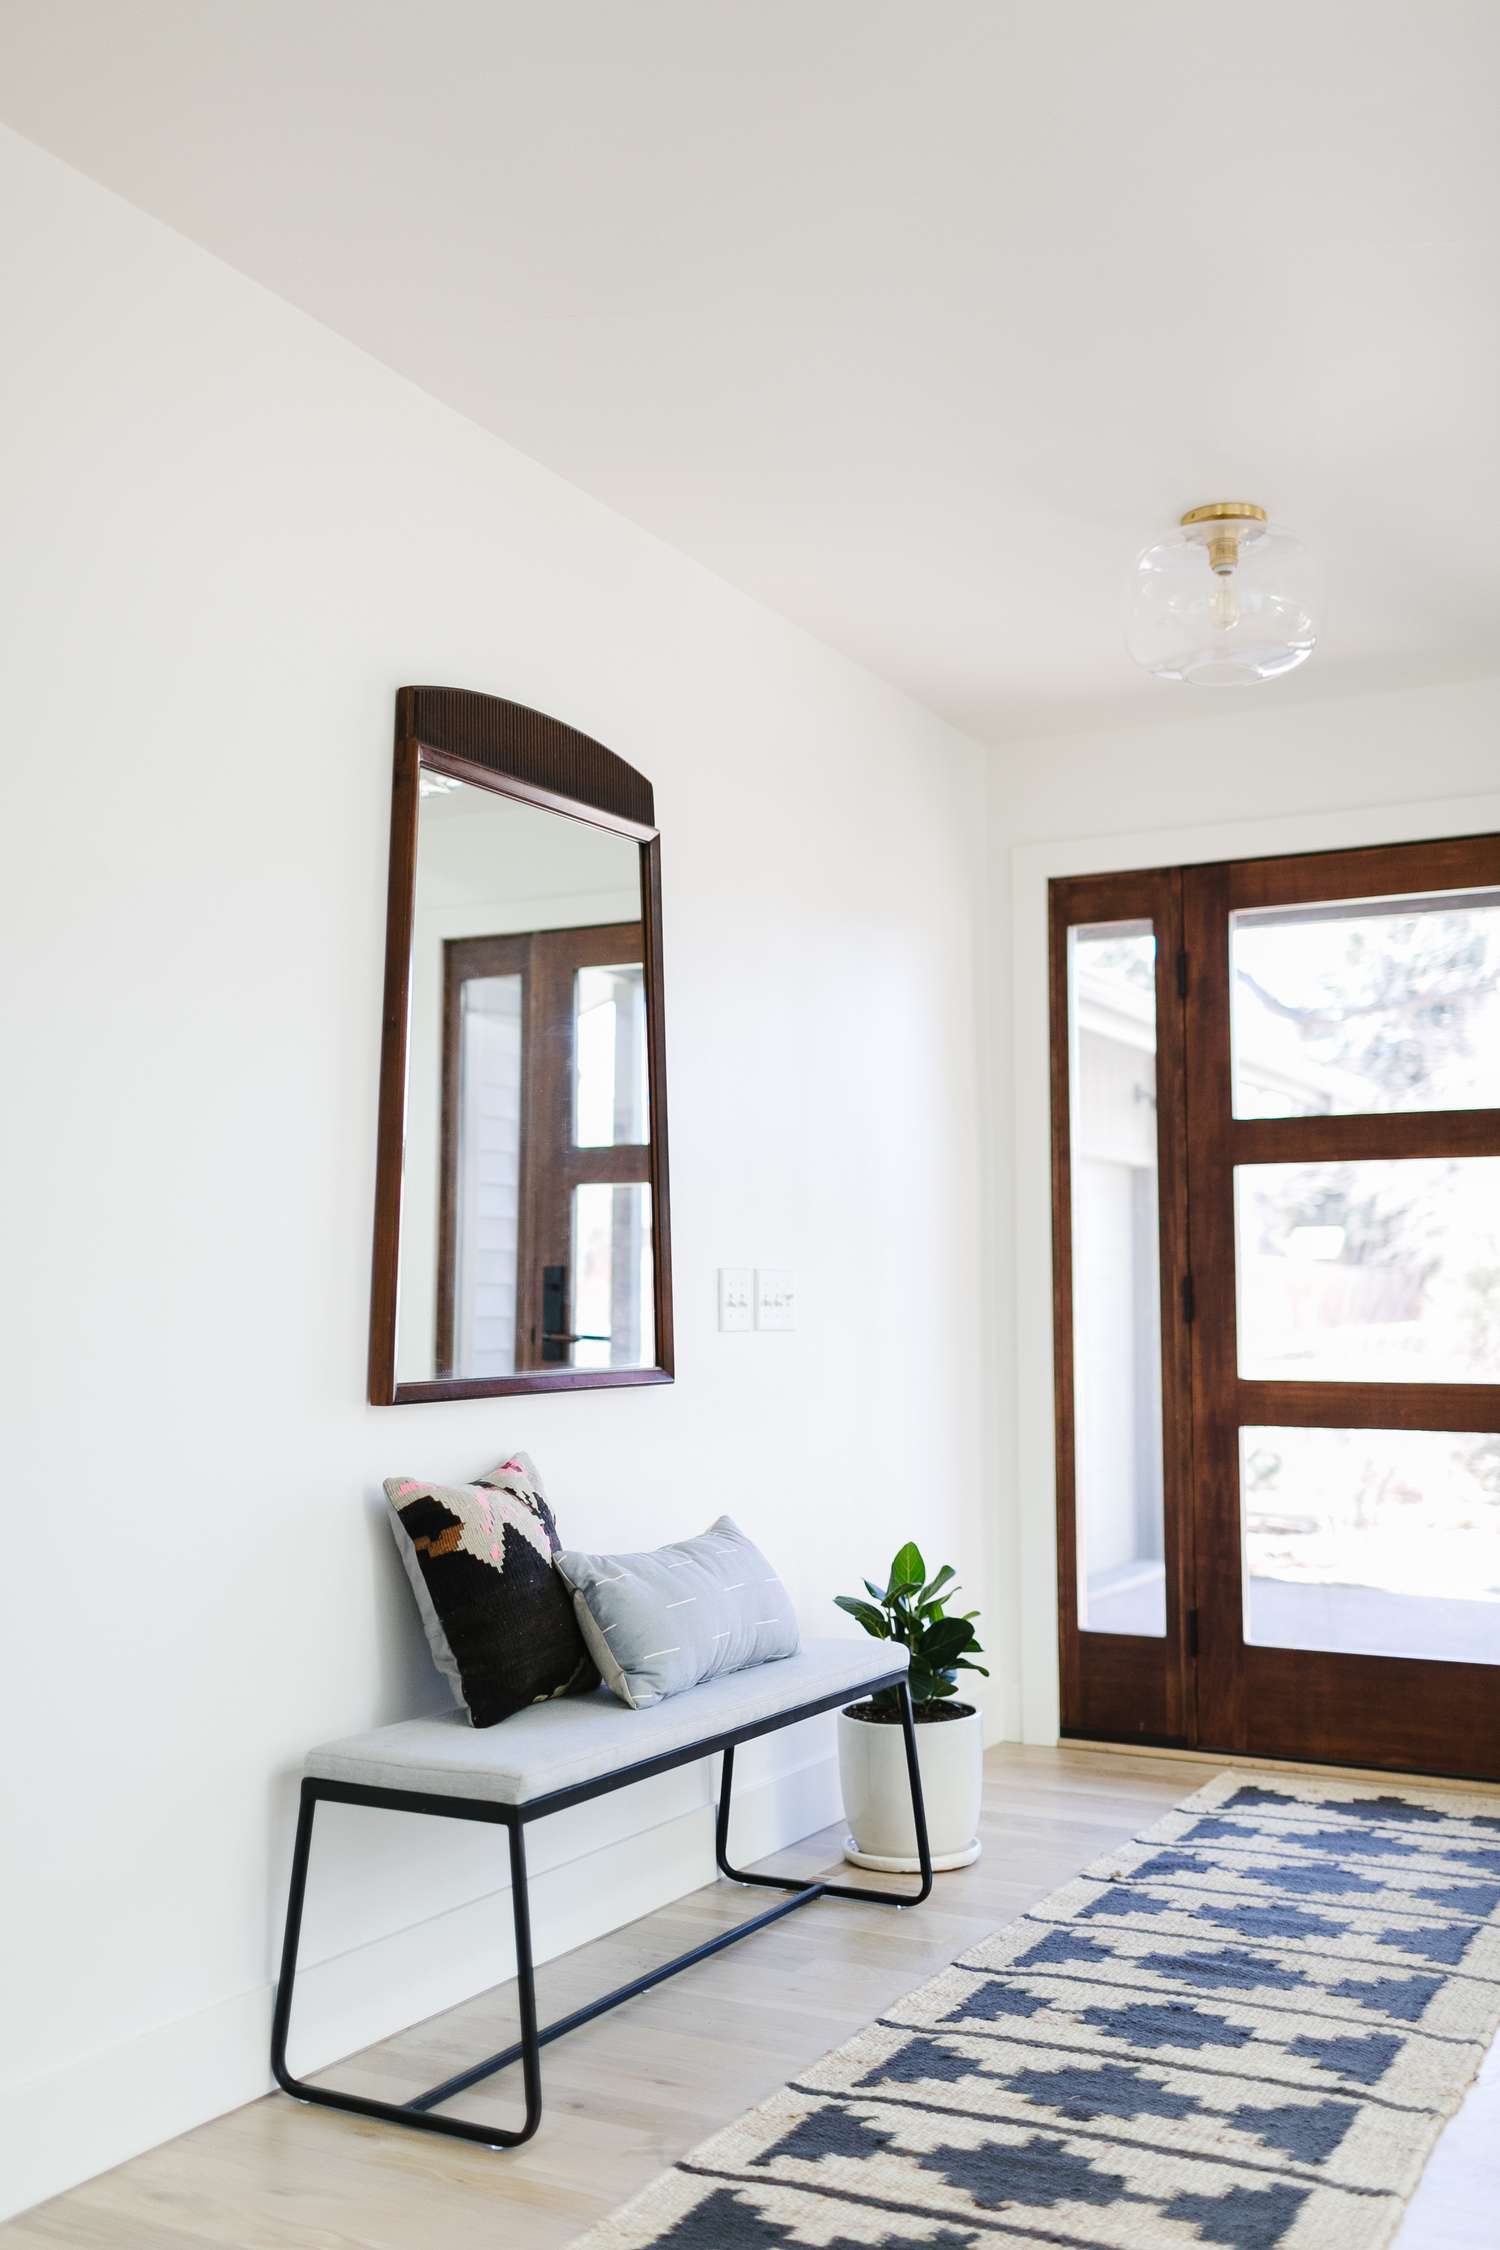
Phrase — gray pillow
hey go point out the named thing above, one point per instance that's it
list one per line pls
(656, 1624)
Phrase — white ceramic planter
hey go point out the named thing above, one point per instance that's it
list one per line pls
(877, 1794)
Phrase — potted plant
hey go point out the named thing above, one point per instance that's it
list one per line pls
(913, 1609)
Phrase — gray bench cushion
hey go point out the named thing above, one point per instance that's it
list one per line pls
(554, 1746)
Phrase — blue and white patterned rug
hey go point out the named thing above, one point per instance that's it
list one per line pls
(1244, 2029)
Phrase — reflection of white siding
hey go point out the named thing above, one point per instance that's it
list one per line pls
(1104, 1363)
(1117, 1316)
(1115, 1116)
(1146, 1433)
(489, 1175)
(1117, 1367)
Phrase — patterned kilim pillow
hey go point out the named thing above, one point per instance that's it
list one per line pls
(498, 1618)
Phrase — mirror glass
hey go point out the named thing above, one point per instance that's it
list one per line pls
(526, 1221)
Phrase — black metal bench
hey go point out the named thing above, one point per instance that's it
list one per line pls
(543, 1761)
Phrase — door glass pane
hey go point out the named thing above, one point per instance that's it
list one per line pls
(609, 1044)
(1370, 1272)
(487, 1176)
(614, 1307)
(1372, 1542)
(1386, 1005)
(1116, 1279)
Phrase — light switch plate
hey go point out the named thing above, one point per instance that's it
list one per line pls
(775, 1297)
(736, 1298)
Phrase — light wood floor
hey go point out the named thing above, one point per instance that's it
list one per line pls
(629, 2094)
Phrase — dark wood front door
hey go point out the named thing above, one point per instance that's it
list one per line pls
(1277, 1115)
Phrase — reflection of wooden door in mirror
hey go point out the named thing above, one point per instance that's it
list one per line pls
(544, 1229)
(521, 1228)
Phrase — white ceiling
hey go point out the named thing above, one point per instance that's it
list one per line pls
(912, 319)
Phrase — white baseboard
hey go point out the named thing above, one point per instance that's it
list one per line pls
(96, 2112)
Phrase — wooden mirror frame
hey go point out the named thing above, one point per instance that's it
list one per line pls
(513, 752)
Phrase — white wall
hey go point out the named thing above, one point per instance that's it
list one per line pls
(228, 537)
(1217, 778)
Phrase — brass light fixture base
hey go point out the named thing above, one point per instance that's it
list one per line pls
(1224, 545)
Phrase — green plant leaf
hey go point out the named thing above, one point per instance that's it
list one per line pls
(908, 1571)
(911, 1610)
(872, 1619)
(946, 1638)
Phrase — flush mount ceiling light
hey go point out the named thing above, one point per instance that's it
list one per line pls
(1222, 599)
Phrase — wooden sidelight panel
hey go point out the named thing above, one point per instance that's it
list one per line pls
(1120, 1267)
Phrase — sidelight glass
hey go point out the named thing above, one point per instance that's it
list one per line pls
(610, 1100)
(1116, 1279)
(1370, 1272)
(612, 1279)
(1372, 1542)
(1391, 1004)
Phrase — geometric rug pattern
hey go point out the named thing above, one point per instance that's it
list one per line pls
(1246, 2029)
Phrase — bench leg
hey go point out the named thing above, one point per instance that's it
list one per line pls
(839, 1890)
(527, 2050)
(415, 2112)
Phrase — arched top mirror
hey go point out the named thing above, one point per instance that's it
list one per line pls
(521, 1230)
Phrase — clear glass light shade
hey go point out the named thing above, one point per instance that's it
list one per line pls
(1187, 620)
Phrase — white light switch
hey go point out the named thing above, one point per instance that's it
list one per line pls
(775, 1297)
(736, 1298)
